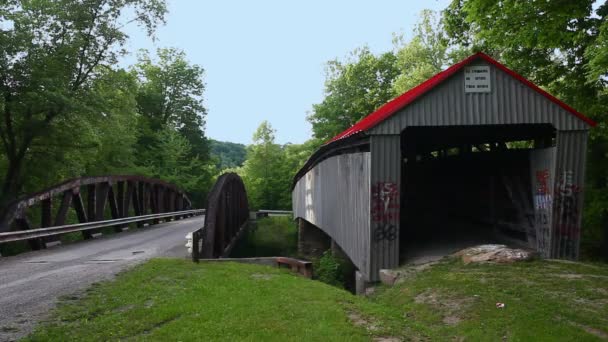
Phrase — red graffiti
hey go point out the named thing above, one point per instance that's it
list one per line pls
(385, 202)
(542, 177)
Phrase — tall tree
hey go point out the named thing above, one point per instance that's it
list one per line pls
(172, 119)
(171, 94)
(263, 171)
(353, 89)
(423, 56)
(52, 53)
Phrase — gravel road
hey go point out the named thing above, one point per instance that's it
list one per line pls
(31, 283)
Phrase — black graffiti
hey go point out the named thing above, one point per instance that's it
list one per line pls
(385, 231)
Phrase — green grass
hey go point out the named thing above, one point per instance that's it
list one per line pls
(273, 236)
(172, 300)
(167, 299)
(545, 300)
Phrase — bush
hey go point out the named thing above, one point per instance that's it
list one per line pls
(328, 269)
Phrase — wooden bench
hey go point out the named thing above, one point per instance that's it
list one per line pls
(298, 266)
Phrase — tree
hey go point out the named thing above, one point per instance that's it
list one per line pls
(262, 172)
(228, 154)
(172, 119)
(171, 94)
(170, 160)
(422, 57)
(353, 89)
(52, 53)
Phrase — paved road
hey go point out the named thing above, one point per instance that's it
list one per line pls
(31, 283)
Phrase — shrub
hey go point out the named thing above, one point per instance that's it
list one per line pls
(328, 269)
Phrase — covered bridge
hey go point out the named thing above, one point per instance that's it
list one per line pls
(475, 151)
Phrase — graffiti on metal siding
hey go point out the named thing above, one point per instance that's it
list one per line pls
(385, 210)
(385, 231)
(542, 203)
(566, 213)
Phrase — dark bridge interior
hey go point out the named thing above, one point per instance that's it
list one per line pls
(466, 185)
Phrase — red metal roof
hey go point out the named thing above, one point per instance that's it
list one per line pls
(409, 96)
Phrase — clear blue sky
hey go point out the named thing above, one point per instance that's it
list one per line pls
(264, 60)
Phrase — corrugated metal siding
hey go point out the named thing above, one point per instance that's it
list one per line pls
(542, 174)
(568, 199)
(509, 102)
(385, 174)
(335, 197)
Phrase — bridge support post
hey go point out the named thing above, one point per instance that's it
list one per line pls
(360, 283)
(312, 241)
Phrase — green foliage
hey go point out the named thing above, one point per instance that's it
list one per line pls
(53, 56)
(272, 236)
(328, 269)
(422, 57)
(263, 174)
(353, 89)
(171, 95)
(364, 82)
(169, 158)
(269, 169)
(69, 111)
(227, 154)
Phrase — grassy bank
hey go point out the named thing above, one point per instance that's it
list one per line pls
(544, 300)
(178, 300)
(173, 300)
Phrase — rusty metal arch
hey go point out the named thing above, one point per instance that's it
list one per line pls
(120, 192)
(226, 216)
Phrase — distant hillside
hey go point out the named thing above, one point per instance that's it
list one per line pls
(228, 154)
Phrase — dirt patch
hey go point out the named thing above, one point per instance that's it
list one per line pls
(451, 320)
(360, 321)
(391, 277)
(149, 303)
(450, 308)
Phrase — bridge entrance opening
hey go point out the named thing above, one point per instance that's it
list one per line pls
(468, 185)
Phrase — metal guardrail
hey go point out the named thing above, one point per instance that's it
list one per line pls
(264, 213)
(57, 230)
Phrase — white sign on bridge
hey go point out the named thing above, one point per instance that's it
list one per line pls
(477, 79)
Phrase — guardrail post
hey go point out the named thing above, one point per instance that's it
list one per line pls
(196, 236)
